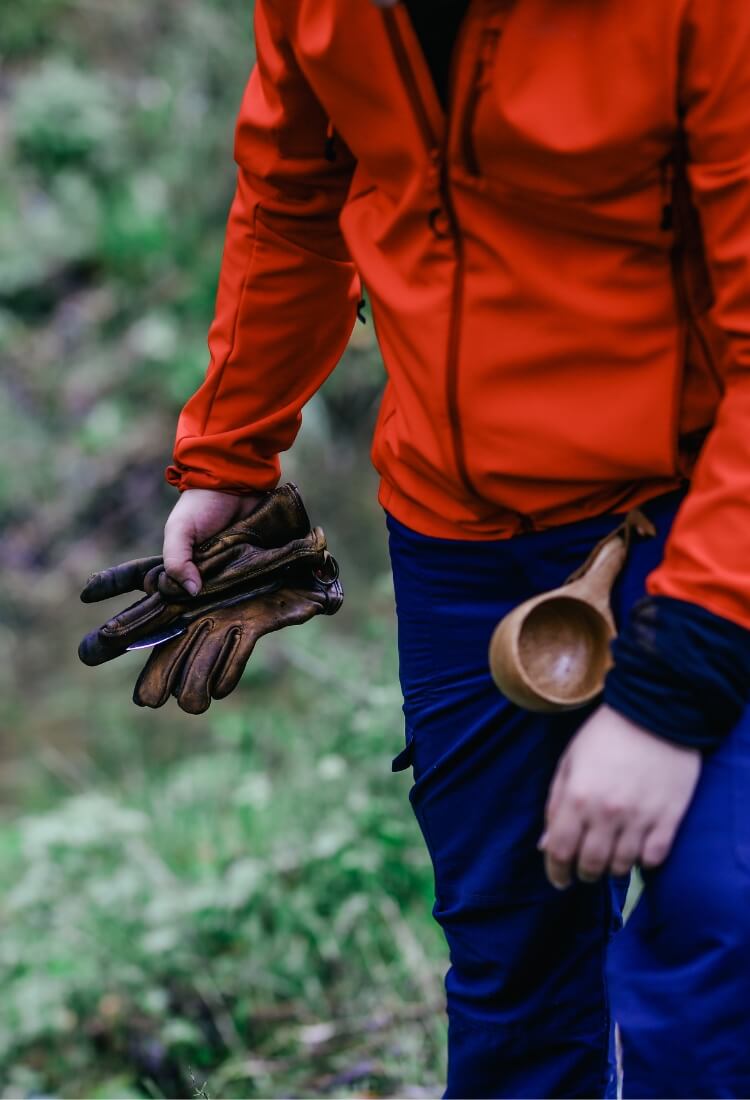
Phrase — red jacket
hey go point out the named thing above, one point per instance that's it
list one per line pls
(537, 261)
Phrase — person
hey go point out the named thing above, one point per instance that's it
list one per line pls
(549, 205)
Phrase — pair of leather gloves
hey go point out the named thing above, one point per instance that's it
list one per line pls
(266, 572)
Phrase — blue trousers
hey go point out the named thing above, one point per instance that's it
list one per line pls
(537, 976)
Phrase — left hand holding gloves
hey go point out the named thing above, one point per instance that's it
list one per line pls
(261, 574)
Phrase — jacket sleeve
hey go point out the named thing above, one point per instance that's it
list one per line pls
(707, 559)
(682, 661)
(287, 294)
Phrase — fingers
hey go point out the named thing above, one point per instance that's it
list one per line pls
(126, 577)
(208, 661)
(97, 649)
(122, 630)
(229, 672)
(658, 843)
(179, 542)
(170, 589)
(560, 838)
(193, 691)
(628, 848)
(215, 652)
(198, 515)
(556, 789)
(214, 668)
(560, 844)
(573, 843)
(203, 665)
(601, 847)
(595, 852)
(618, 799)
(162, 672)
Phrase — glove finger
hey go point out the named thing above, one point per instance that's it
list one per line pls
(96, 649)
(140, 619)
(126, 577)
(124, 629)
(277, 610)
(193, 689)
(153, 577)
(112, 639)
(234, 657)
(171, 589)
(161, 673)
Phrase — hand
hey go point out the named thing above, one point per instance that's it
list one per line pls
(617, 799)
(198, 514)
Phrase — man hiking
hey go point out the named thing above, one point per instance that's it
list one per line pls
(548, 202)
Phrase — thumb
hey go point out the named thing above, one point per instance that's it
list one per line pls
(179, 540)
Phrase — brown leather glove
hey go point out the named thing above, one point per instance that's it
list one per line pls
(207, 661)
(270, 550)
(252, 556)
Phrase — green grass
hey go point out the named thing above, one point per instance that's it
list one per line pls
(236, 905)
(250, 920)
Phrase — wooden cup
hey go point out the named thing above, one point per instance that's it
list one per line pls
(552, 652)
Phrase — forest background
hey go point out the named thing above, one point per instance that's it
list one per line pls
(233, 905)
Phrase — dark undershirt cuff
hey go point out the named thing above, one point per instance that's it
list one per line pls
(681, 672)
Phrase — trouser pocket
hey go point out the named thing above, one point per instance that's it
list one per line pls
(404, 759)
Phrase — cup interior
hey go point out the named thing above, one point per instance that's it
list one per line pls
(563, 648)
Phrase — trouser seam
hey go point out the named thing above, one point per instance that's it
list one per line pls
(605, 988)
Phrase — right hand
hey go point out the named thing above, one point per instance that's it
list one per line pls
(198, 514)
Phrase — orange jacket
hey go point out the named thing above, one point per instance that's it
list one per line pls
(559, 269)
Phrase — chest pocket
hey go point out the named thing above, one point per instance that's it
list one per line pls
(562, 100)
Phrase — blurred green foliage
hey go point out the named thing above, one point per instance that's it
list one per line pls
(236, 905)
(246, 921)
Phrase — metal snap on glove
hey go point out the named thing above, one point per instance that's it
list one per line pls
(266, 572)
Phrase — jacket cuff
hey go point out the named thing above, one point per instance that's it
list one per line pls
(681, 672)
(183, 477)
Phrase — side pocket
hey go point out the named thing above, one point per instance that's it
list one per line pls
(418, 810)
(400, 763)
(405, 758)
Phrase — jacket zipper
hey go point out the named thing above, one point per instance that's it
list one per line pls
(438, 157)
(479, 84)
(403, 65)
(454, 335)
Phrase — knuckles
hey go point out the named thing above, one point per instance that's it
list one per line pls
(656, 852)
(560, 850)
(614, 808)
(601, 807)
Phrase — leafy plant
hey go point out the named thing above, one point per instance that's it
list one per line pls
(237, 905)
(251, 914)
